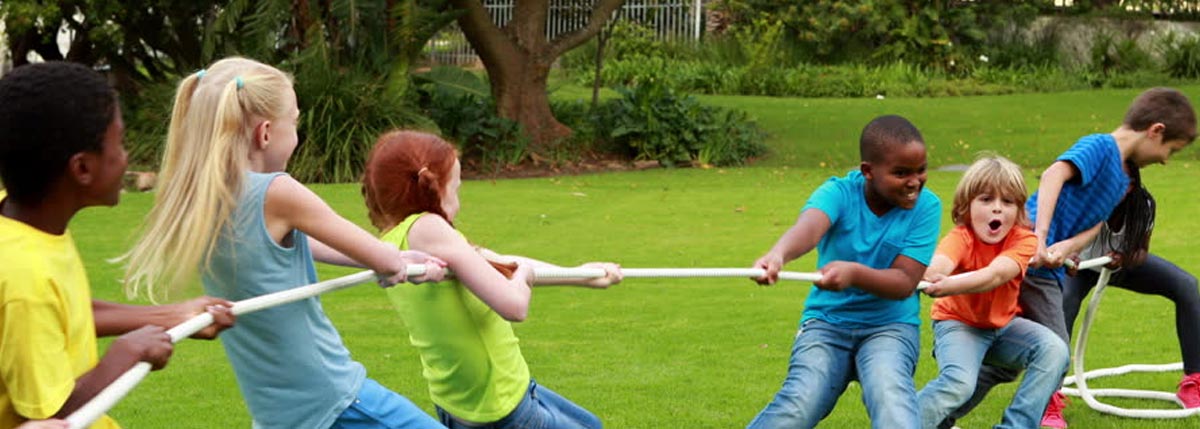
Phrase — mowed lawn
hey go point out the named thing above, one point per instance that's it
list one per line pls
(687, 353)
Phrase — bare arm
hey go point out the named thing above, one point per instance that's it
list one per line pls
(801, 238)
(148, 343)
(508, 297)
(1072, 246)
(116, 319)
(612, 271)
(290, 205)
(323, 253)
(999, 272)
(896, 282)
(1048, 190)
(939, 268)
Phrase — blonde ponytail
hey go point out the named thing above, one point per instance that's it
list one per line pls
(203, 168)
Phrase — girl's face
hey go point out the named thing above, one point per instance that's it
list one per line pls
(992, 216)
(281, 136)
(450, 194)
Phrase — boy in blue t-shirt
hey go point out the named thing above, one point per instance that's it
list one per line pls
(875, 231)
(1076, 194)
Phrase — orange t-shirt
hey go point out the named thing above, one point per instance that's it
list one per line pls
(995, 308)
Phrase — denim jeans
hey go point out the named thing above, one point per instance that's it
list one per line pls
(1156, 276)
(825, 358)
(379, 408)
(540, 409)
(1041, 301)
(961, 349)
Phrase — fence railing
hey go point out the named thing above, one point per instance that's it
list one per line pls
(670, 19)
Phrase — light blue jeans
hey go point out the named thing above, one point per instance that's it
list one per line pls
(961, 349)
(376, 407)
(540, 409)
(825, 358)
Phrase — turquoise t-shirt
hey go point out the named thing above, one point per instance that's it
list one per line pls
(291, 365)
(856, 234)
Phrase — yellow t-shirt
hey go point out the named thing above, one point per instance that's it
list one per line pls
(47, 334)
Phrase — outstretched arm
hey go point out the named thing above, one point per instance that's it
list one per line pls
(801, 238)
(1000, 271)
(896, 282)
(1048, 190)
(508, 297)
(291, 205)
(612, 271)
(149, 344)
(116, 319)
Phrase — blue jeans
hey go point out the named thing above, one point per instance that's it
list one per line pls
(540, 409)
(961, 349)
(825, 358)
(379, 408)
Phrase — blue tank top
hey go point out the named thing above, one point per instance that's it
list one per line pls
(291, 365)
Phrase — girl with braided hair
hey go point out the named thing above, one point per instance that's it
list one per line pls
(1125, 236)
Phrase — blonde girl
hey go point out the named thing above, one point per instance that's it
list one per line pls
(976, 316)
(226, 210)
(472, 362)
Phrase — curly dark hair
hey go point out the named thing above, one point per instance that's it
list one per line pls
(48, 113)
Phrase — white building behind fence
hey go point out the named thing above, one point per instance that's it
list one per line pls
(670, 19)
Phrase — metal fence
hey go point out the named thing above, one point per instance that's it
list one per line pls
(670, 19)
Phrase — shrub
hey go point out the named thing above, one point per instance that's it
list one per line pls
(652, 121)
(343, 111)
(147, 115)
(461, 105)
(1111, 54)
(1181, 56)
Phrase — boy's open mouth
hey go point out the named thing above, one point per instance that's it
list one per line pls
(995, 224)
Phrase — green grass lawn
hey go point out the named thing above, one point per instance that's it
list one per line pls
(690, 353)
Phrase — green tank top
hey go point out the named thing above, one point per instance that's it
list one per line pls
(470, 355)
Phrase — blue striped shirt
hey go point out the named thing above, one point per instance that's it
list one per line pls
(1088, 198)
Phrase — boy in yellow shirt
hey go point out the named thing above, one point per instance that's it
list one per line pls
(61, 150)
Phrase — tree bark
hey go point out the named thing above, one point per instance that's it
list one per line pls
(518, 60)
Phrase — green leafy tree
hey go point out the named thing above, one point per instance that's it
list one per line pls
(140, 40)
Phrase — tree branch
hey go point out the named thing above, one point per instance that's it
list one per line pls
(601, 13)
(489, 42)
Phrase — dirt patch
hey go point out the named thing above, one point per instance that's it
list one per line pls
(539, 167)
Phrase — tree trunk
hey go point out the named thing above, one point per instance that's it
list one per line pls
(518, 59)
(524, 100)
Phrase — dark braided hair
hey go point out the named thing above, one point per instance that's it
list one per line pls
(1133, 216)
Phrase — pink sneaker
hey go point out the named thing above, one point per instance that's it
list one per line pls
(1189, 390)
(1053, 418)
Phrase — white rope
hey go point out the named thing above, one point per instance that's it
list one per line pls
(120, 387)
(107, 398)
(1081, 377)
(591, 273)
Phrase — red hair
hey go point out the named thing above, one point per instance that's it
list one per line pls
(406, 173)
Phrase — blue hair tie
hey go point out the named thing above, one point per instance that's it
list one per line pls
(240, 84)
(200, 74)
